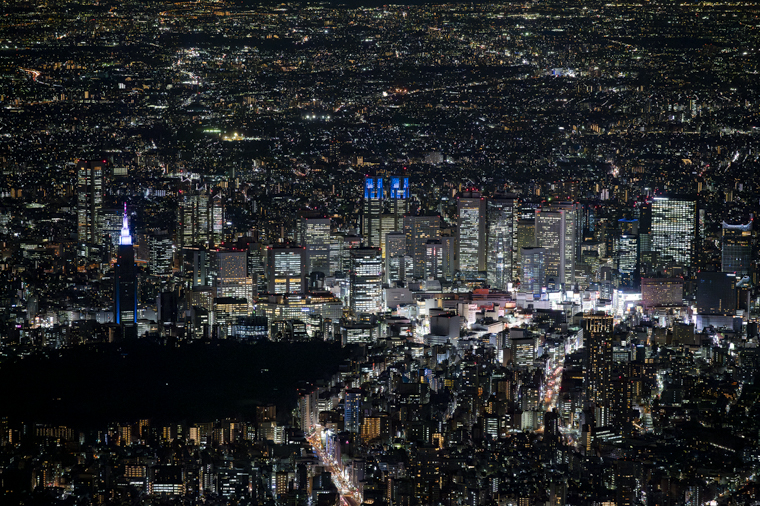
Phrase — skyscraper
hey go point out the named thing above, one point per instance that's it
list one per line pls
(286, 269)
(501, 231)
(434, 259)
(372, 209)
(227, 312)
(674, 229)
(352, 411)
(419, 230)
(736, 248)
(386, 201)
(315, 236)
(395, 244)
(109, 228)
(716, 293)
(471, 232)
(200, 220)
(232, 280)
(257, 260)
(398, 269)
(627, 252)
(396, 260)
(551, 237)
(89, 203)
(525, 234)
(620, 393)
(349, 242)
(125, 277)
(366, 280)
(398, 200)
(556, 232)
(533, 269)
(161, 251)
(448, 246)
(387, 226)
(597, 335)
(200, 267)
(627, 256)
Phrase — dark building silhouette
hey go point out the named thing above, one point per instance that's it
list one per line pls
(125, 289)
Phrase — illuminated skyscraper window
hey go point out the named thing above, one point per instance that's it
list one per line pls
(89, 200)
(736, 250)
(286, 266)
(374, 196)
(471, 232)
(366, 280)
(556, 229)
(674, 229)
(501, 238)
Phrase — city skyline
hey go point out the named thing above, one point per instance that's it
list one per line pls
(302, 253)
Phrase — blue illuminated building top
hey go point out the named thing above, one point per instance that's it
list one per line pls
(373, 188)
(399, 188)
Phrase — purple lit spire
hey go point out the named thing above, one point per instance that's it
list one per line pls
(125, 239)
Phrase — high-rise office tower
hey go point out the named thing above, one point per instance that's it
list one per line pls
(386, 201)
(736, 248)
(199, 267)
(167, 308)
(286, 269)
(627, 252)
(366, 280)
(396, 261)
(257, 258)
(200, 220)
(716, 293)
(192, 220)
(434, 259)
(90, 175)
(231, 272)
(352, 411)
(523, 348)
(620, 397)
(627, 256)
(597, 335)
(315, 236)
(533, 269)
(642, 211)
(387, 226)
(500, 223)
(227, 312)
(349, 242)
(125, 278)
(674, 229)
(109, 228)
(589, 216)
(419, 230)
(448, 243)
(525, 234)
(395, 244)
(372, 210)
(471, 232)
(398, 200)
(556, 232)
(216, 220)
(398, 269)
(161, 252)
(336, 253)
